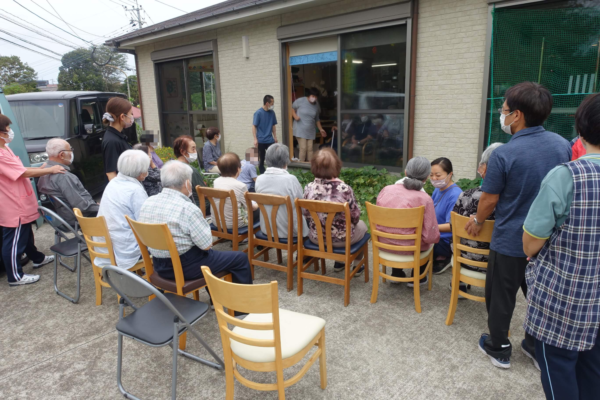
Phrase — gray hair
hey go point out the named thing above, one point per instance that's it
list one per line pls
(485, 157)
(278, 156)
(133, 163)
(174, 174)
(55, 146)
(417, 170)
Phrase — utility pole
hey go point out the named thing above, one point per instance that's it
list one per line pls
(135, 11)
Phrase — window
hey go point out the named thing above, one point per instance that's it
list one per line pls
(41, 118)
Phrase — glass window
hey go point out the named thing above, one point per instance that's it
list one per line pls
(73, 117)
(41, 118)
(175, 125)
(202, 86)
(89, 116)
(172, 87)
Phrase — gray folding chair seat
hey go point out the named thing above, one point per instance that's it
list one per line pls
(157, 323)
(68, 248)
(153, 323)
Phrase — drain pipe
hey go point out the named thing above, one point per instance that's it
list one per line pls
(413, 78)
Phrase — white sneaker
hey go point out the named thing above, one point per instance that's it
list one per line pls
(26, 280)
(47, 260)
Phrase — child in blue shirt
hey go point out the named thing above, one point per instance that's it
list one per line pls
(248, 174)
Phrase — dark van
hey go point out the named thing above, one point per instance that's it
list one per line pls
(73, 116)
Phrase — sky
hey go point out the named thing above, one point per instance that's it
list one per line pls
(91, 20)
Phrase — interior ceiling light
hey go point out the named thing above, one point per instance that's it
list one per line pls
(384, 65)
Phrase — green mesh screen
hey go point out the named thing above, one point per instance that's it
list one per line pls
(558, 48)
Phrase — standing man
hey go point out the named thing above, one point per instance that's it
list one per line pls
(563, 240)
(305, 112)
(264, 129)
(514, 174)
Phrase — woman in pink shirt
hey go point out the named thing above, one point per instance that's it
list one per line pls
(408, 193)
(19, 210)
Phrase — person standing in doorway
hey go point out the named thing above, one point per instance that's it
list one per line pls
(264, 128)
(305, 112)
(514, 174)
(212, 151)
(119, 116)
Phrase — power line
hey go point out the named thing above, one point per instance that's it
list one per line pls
(149, 17)
(43, 19)
(35, 51)
(59, 17)
(64, 41)
(26, 41)
(168, 5)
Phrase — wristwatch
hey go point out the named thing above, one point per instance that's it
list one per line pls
(477, 222)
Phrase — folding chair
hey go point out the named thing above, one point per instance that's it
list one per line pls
(71, 247)
(409, 218)
(460, 273)
(218, 225)
(158, 323)
(269, 339)
(272, 240)
(325, 250)
(96, 227)
(60, 234)
(158, 237)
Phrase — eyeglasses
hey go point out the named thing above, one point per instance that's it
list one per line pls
(501, 110)
(71, 150)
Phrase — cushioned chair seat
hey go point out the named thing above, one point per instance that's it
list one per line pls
(472, 274)
(262, 236)
(297, 331)
(153, 322)
(241, 231)
(402, 258)
(339, 250)
(189, 286)
(68, 248)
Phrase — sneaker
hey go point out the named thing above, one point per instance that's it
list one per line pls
(463, 287)
(423, 282)
(47, 260)
(529, 352)
(359, 272)
(498, 360)
(338, 267)
(25, 280)
(440, 266)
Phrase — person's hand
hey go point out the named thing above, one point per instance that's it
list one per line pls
(57, 169)
(354, 141)
(323, 133)
(256, 142)
(472, 228)
(275, 137)
(296, 117)
(152, 165)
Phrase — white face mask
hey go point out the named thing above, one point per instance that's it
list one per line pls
(189, 190)
(312, 99)
(11, 136)
(439, 183)
(364, 118)
(505, 128)
(72, 158)
(218, 138)
(128, 121)
(192, 157)
(271, 107)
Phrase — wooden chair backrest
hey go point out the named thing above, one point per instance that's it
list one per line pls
(96, 227)
(256, 299)
(458, 232)
(271, 221)
(401, 218)
(316, 207)
(218, 213)
(158, 237)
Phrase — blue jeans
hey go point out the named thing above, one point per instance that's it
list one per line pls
(442, 248)
(569, 374)
(234, 262)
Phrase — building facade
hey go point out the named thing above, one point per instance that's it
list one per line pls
(396, 78)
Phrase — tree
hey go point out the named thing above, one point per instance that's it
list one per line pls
(13, 70)
(14, 88)
(133, 88)
(80, 72)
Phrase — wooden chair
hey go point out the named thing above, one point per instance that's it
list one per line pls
(410, 218)
(96, 227)
(218, 225)
(158, 237)
(325, 250)
(460, 273)
(272, 240)
(269, 339)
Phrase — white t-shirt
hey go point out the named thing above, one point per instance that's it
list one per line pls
(239, 188)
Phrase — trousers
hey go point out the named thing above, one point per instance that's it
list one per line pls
(306, 149)
(262, 150)
(569, 374)
(16, 241)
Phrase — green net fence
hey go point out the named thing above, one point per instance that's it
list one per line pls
(557, 47)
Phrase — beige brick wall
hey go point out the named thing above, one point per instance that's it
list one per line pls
(450, 62)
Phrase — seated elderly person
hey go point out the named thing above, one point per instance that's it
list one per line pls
(191, 232)
(326, 167)
(66, 186)
(466, 205)
(230, 166)
(408, 193)
(248, 173)
(278, 181)
(124, 195)
(152, 181)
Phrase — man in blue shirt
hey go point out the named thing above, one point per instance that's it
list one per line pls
(514, 175)
(264, 129)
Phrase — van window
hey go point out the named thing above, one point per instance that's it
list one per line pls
(41, 118)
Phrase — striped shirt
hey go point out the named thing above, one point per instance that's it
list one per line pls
(182, 216)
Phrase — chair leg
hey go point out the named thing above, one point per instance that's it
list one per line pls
(323, 270)
(229, 377)
(316, 264)
(174, 373)
(280, 380)
(430, 279)
(453, 302)
(417, 288)
(375, 290)
(290, 270)
(183, 341)
(197, 295)
(279, 256)
(266, 256)
(347, 284)
(78, 267)
(97, 280)
(300, 289)
(366, 258)
(322, 360)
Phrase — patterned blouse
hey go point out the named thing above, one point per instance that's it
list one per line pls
(337, 191)
(466, 205)
(152, 183)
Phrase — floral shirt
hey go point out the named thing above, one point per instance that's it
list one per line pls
(466, 205)
(337, 191)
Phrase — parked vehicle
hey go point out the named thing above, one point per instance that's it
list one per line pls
(73, 116)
